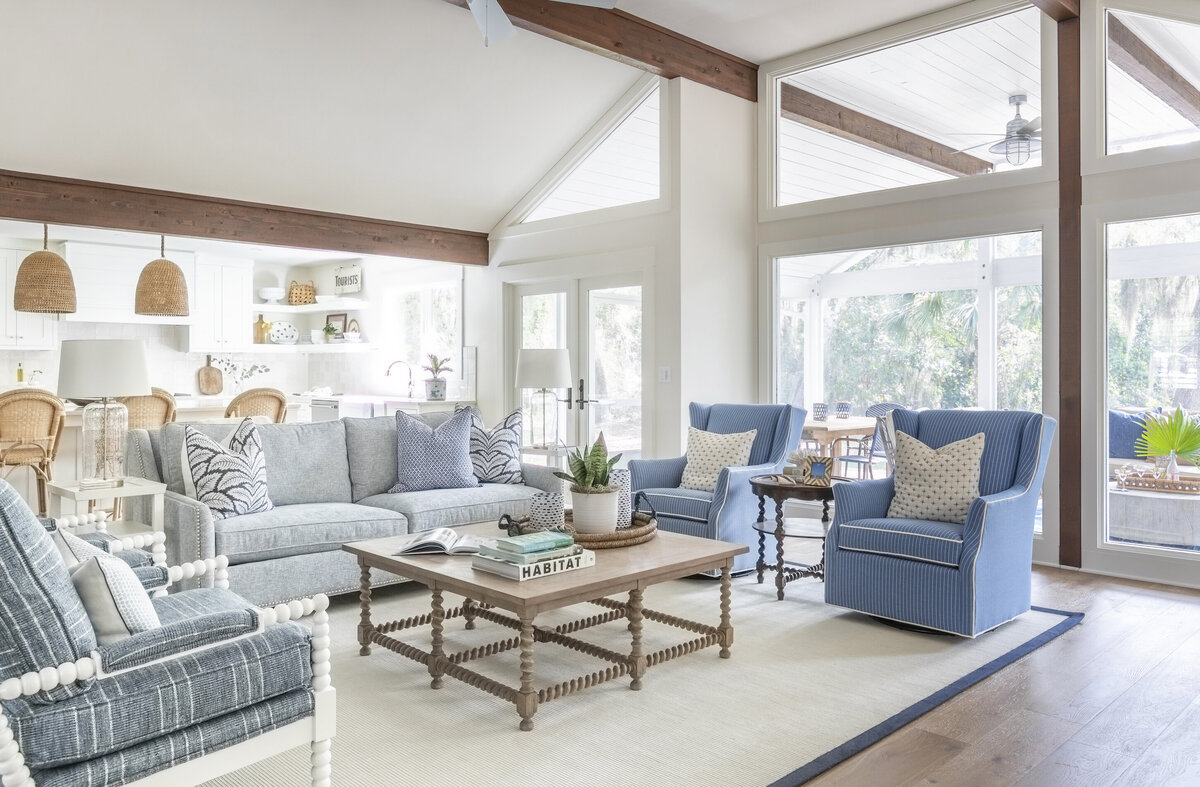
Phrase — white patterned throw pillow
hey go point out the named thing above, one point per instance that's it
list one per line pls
(229, 477)
(496, 452)
(709, 452)
(937, 485)
(116, 603)
(433, 458)
(74, 550)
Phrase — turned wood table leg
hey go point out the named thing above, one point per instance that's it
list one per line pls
(761, 565)
(527, 700)
(637, 659)
(365, 627)
(437, 656)
(469, 608)
(779, 568)
(725, 630)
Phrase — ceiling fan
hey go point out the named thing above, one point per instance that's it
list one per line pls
(1021, 137)
(494, 24)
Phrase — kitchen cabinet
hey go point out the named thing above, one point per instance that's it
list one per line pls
(22, 330)
(223, 290)
(106, 282)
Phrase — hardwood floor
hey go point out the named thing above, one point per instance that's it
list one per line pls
(1114, 701)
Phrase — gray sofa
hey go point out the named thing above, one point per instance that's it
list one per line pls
(329, 482)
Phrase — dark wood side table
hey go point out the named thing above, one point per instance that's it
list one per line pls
(781, 491)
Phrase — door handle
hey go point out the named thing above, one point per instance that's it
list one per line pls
(582, 400)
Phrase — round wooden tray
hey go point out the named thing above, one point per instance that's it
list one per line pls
(642, 529)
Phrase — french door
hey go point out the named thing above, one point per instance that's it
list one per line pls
(598, 320)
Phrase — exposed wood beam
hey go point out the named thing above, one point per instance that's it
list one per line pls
(43, 198)
(634, 42)
(1070, 299)
(1135, 57)
(820, 113)
(1059, 10)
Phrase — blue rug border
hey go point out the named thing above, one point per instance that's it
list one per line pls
(885, 728)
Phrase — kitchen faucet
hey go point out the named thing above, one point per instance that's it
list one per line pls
(408, 366)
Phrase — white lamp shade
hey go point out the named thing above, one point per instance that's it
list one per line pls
(99, 368)
(544, 368)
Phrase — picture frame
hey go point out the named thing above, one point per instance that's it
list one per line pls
(815, 471)
(338, 321)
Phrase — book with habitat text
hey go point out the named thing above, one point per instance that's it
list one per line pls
(535, 542)
(542, 568)
(442, 541)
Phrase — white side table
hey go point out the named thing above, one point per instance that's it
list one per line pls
(71, 499)
(554, 456)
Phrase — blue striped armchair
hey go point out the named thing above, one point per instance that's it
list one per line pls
(215, 684)
(961, 579)
(728, 513)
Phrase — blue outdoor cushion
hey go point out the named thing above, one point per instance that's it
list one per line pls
(1123, 431)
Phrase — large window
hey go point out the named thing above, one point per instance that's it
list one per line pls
(1153, 334)
(947, 324)
(958, 103)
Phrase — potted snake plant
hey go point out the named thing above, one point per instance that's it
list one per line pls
(593, 498)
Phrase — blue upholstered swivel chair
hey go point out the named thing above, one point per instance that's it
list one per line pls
(728, 513)
(961, 579)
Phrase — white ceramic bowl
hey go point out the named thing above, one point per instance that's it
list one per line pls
(271, 294)
(326, 298)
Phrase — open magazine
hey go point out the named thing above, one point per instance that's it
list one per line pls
(442, 541)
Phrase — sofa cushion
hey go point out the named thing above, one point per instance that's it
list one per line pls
(448, 507)
(181, 607)
(295, 530)
(690, 504)
(936, 483)
(433, 457)
(371, 450)
(914, 539)
(128, 708)
(1124, 429)
(306, 463)
(42, 620)
(710, 452)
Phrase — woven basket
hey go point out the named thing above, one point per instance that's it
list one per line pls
(640, 530)
(301, 294)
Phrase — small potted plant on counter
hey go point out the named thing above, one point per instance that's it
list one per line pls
(330, 332)
(593, 499)
(435, 386)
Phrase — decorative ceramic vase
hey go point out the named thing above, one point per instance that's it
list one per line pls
(820, 411)
(595, 513)
(317, 336)
(621, 480)
(843, 409)
(546, 510)
(435, 390)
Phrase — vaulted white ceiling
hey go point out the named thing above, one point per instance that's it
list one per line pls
(383, 108)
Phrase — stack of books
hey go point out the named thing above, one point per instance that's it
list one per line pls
(533, 555)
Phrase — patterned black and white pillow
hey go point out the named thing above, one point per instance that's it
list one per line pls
(496, 453)
(229, 477)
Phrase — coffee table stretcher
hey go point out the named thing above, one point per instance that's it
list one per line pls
(527, 698)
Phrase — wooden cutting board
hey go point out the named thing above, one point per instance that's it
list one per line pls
(208, 379)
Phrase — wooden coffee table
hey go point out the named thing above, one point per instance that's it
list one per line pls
(629, 569)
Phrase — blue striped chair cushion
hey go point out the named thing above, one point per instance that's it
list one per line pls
(1010, 437)
(689, 504)
(181, 607)
(42, 620)
(143, 759)
(916, 539)
(158, 699)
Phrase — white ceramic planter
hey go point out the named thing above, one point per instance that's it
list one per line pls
(435, 390)
(596, 513)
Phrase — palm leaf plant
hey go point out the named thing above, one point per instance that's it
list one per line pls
(1166, 433)
(437, 366)
(590, 468)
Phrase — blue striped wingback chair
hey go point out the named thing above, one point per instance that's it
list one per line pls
(962, 579)
(728, 513)
(217, 685)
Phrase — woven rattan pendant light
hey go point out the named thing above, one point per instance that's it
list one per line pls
(44, 282)
(161, 289)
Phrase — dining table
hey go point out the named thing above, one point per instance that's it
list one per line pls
(827, 433)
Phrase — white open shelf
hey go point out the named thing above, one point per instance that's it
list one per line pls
(339, 304)
(291, 349)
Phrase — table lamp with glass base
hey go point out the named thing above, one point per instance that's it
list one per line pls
(102, 369)
(544, 370)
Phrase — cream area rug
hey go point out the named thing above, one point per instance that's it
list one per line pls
(807, 686)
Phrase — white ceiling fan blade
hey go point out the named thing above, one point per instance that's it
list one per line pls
(592, 3)
(1031, 126)
(982, 144)
(492, 21)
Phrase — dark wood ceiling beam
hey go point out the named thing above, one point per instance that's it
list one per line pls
(44, 198)
(1059, 10)
(820, 113)
(1134, 56)
(635, 42)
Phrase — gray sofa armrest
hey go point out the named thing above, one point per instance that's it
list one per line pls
(188, 524)
(540, 477)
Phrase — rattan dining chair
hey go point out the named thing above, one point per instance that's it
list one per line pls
(270, 402)
(31, 424)
(150, 412)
